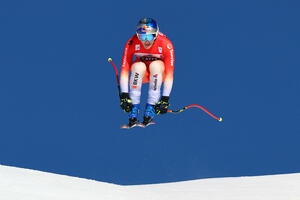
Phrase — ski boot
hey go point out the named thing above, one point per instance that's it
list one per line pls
(148, 116)
(133, 114)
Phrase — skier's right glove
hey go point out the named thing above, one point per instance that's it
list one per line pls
(125, 102)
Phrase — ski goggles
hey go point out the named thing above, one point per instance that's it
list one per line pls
(144, 37)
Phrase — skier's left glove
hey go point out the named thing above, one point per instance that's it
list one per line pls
(162, 106)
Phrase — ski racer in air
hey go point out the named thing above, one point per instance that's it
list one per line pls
(154, 63)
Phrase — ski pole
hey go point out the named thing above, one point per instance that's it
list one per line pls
(171, 111)
(178, 111)
(117, 74)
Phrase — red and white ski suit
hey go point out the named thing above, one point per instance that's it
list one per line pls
(162, 49)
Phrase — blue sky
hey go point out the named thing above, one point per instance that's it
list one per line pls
(59, 109)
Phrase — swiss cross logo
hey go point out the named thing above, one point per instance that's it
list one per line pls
(160, 49)
(137, 47)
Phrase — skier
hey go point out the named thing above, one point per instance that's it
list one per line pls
(154, 63)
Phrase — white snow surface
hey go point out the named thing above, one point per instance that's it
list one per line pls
(25, 184)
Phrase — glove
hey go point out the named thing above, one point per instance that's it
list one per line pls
(162, 106)
(125, 102)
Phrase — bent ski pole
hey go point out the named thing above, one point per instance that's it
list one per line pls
(117, 74)
(178, 111)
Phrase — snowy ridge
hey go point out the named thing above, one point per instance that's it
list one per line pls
(24, 184)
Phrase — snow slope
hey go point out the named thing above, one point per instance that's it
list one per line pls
(24, 184)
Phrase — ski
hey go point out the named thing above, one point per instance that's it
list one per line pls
(126, 126)
(144, 126)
